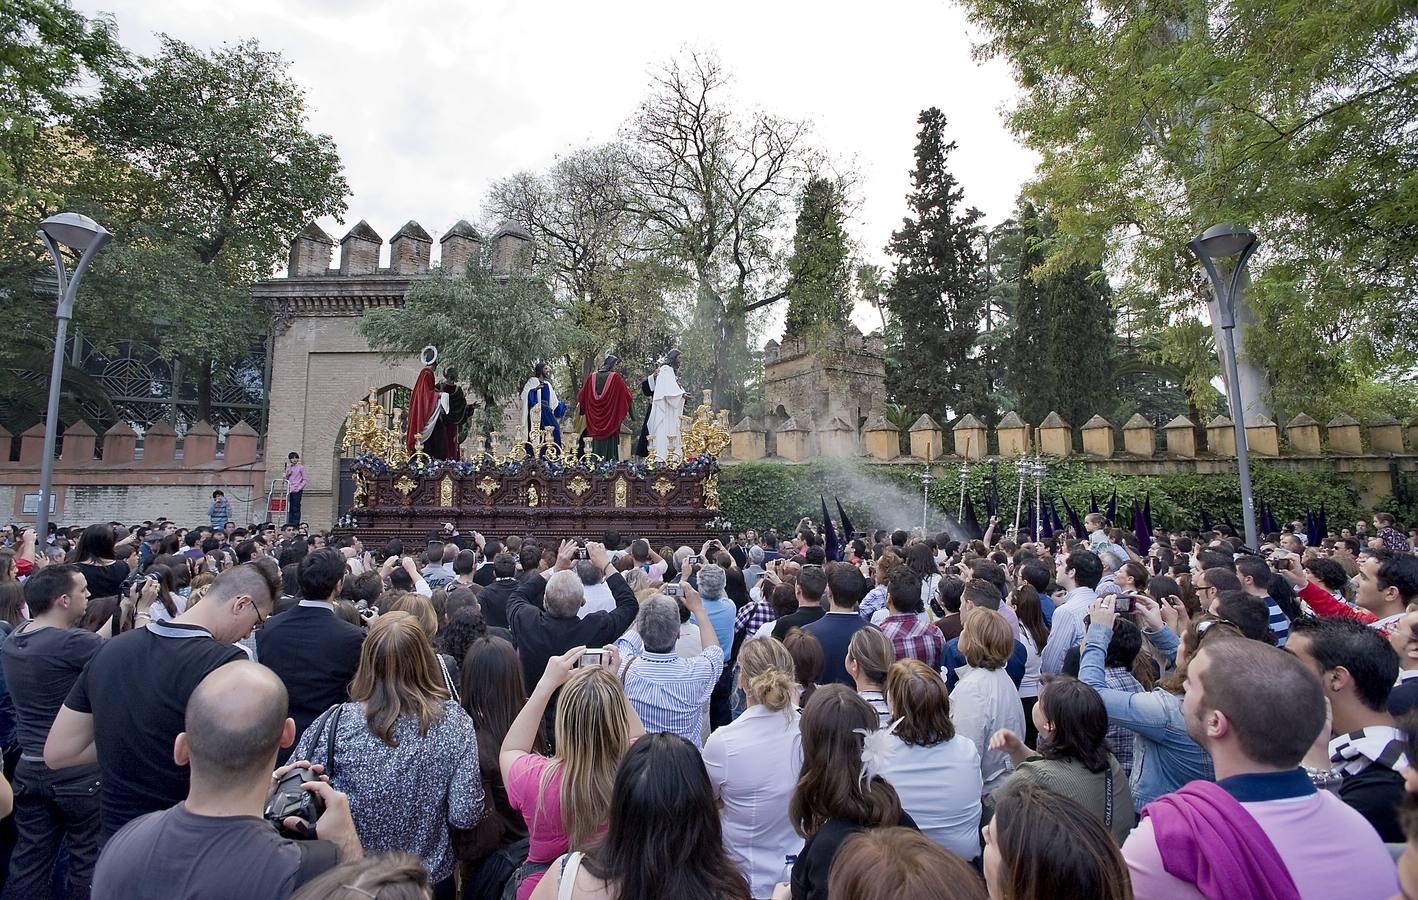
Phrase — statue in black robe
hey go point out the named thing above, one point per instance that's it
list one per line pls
(446, 440)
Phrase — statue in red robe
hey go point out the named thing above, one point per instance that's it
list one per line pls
(604, 401)
(427, 404)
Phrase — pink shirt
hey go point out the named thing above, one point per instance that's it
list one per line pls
(295, 478)
(542, 811)
(1330, 850)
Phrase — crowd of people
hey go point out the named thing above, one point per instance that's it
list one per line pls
(264, 712)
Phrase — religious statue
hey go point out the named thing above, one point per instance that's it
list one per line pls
(604, 401)
(666, 407)
(445, 441)
(543, 409)
(427, 406)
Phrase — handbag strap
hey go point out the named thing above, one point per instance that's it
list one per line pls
(1108, 795)
(333, 723)
(448, 679)
(569, 868)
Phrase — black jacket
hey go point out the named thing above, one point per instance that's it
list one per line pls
(494, 598)
(1375, 794)
(540, 635)
(315, 653)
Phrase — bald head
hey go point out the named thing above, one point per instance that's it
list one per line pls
(235, 719)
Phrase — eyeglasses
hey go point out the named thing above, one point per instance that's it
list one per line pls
(260, 618)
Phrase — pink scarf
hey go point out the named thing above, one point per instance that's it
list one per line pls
(1206, 838)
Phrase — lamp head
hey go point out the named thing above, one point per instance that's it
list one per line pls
(73, 230)
(1223, 241)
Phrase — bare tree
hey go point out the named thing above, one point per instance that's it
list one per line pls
(713, 188)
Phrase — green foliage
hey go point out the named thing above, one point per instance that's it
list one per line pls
(819, 305)
(470, 317)
(937, 294)
(1156, 121)
(889, 496)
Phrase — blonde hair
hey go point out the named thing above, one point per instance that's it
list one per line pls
(768, 673)
(591, 737)
(421, 608)
(398, 676)
(986, 640)
(873, 653)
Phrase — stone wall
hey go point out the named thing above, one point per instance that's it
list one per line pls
(1370, 455)
(830, 388)
(170, 478)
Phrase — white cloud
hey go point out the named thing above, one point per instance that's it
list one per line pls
(430, 100)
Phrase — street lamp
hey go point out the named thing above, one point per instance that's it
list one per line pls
(83, 234)
(1222, 242)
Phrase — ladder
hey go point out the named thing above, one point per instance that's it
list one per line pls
(276, 501)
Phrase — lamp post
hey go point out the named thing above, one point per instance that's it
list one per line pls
(83, 234)
(1215, 244)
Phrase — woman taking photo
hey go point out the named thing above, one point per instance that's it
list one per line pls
(1043, 846)
(493, 695)
(404, 752)
(565, 798)
(1073, 758)
(935, 773)
(753, 763)
(663, 840)
(839, 793)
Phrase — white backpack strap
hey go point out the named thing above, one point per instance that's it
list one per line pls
(568, 876)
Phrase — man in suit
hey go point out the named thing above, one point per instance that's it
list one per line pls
(314, 652)
(494, 597)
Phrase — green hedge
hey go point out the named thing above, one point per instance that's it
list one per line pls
(762, 494)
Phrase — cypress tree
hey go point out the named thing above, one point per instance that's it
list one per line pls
(937, 294)
(819, 305)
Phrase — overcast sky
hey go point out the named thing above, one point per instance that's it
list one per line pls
(430, 100)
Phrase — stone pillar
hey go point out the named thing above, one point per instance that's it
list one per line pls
(927, 439)
(1098, 437)
(79, 440)
(1386, 436)
(1181, 438)
(971, 441)
(882, 439)
(159, 445)
(410, 249)
(359, 250)
(200, 445)
(1221, 436)
(1139, 437)
(310, 253)
(837, 439)
(747, 441)
(1262, 436)
(511, 249)
(32, 445)
(240, 445)
(1412, 435)
(460, 246)
(1013, 435)
(120, 443)
(1303, 433)
(1344, 436)
(1055, 436)
(794, 441)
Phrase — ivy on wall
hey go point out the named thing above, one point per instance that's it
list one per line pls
(763, 494)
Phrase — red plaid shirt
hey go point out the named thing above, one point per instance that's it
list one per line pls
(753, 617)
(914, 638)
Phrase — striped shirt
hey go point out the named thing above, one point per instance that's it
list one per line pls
(1279, 622)
(668, 691)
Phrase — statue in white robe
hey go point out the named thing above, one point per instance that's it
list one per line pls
(666, 407)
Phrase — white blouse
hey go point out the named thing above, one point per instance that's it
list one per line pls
(940, 787)
(984, 701)
(753, 764)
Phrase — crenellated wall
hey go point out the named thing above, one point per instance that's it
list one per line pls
(1371, 455)
(127, 486)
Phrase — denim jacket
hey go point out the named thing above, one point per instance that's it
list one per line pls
(1167, 757)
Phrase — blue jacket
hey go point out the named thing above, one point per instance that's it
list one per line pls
(1167, 757)
(952, 659)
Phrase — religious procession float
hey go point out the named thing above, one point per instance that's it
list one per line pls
(540, 482)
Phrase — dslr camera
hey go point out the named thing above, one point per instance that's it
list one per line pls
(289, 799)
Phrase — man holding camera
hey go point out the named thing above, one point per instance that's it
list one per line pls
(216, 843)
